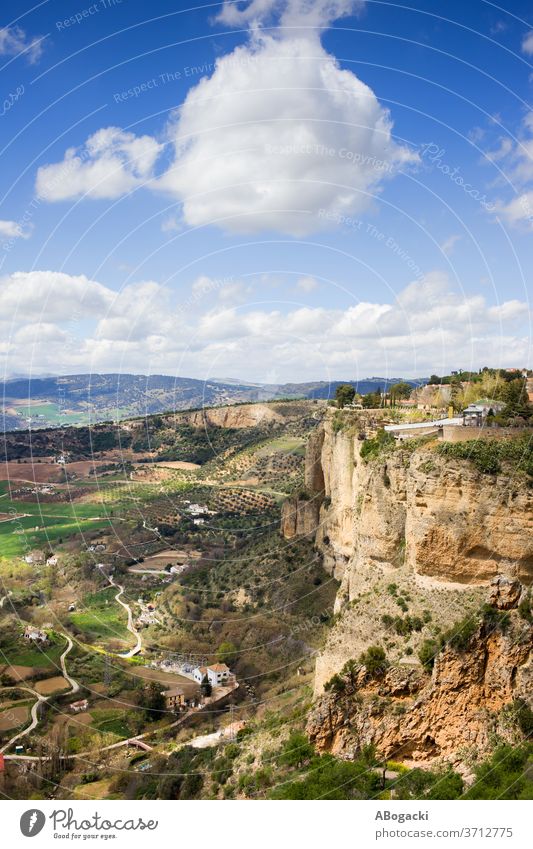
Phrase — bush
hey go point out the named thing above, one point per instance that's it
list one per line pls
(495, 620)
(506, 775)
(458, 636)
(486, 455)
(329, 778)
(374, 659)
(524, 716)
(381, 443)
(524, 609)
(336, 684)
(427, 653)
(296, 750)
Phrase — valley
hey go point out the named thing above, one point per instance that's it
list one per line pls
(326, 610)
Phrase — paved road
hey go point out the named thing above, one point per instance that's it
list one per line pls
(131, 627)
(131, 741)
(34, 715)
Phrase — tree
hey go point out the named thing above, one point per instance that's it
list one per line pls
(205, 687)
(227, 652)
(344, 394)
(372, 400)
(153, 701)
(400, 390)
(515, 396)
(350, 669)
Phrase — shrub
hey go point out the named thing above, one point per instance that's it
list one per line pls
(524, 609)
(459, 635)
(524, 716)
(427, 653)
(495, 620)
(336, 684)
(380, 444)
(374, 659)
(505, 775)
(296, 750)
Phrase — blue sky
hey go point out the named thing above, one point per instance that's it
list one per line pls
(273, 190)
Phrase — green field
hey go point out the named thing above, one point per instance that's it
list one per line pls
(51, 414)
(283, 445)
(14, 651)
(54, 522)
(111, 721)
(102, 618)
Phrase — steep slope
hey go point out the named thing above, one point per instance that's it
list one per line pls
(415, 539)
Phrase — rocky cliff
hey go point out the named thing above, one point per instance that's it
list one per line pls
(471, 698)
(414, 538)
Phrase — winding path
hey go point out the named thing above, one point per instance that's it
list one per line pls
(74, 687)
(130, 626)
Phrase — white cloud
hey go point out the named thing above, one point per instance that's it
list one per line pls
(111, 163)
(517, 163)
(15, 42)
(449, 244)
(527, 44)
(277, 138)
(51, 296)
(307, 284)
(290, 13)
(13, 230)
(144, 327)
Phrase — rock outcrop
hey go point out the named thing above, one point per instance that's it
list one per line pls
(415, 539)
(451, 715)
(299, 517)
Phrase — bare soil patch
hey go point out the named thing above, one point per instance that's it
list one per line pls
(168, 678)
(30, 472)
(19, 673)
(13, 717)
(51, 685)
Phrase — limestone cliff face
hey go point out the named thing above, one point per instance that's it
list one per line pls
(248, 415)
(244, 415)
(447, 520)
(412, 535)
(299, 517)
(449, 717)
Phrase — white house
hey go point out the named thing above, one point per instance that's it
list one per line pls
(218, 674)
(199, 673)
(35, 635)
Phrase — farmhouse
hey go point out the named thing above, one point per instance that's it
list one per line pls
(199, 673)
(218, 674)
(35, 635)
(78, 707)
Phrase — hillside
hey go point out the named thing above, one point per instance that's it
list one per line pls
(434, 555)
(90, 398)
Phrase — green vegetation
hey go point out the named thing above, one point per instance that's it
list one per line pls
(102, 618)
(371, 449)
(508, 774)
(344, 394)
(375, 660)
(427, 653)
(487, 455)
(14, 650)
(328, 778)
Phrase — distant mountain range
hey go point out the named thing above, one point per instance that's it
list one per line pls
(78, 399)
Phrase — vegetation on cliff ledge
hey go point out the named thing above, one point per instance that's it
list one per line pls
(487, 455)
